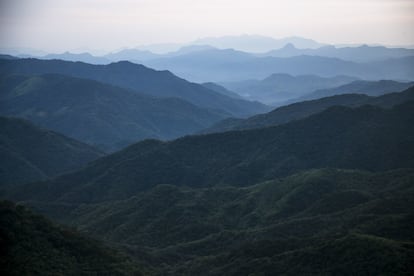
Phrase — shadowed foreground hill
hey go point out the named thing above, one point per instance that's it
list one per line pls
(368, 138)
(319, 222)
(301, 110)
(28, 153)
(32, 245)
(99, 114)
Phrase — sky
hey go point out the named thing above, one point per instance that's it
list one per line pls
(60, 25)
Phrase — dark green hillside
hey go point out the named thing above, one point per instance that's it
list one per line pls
(367, 138)
(314, 222)
(139, 79)
(304, 109)
(99, 114)
(28, 153)
(32, 245)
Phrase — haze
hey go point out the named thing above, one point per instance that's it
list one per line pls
(107, 25)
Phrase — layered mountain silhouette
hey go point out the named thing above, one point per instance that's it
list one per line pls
(256, 43)
(28, 153)
(304, 109)
(322, 186)
(133, 55)
(370, 88)
(84, 57)
(99, 114)
(279, 88)
(137, 78)
(261, 200)
(339, 137)
(362, 53)
(224, 65)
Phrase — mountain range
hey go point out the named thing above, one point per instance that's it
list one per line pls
(370, 88)
(137, 78)
(279, 88)
(259, 200)
(362, 53)
(339, 137)
(99, 114)
(256, 43)
(120, 169)
(304, 109)
(225, 65)
(83, 57)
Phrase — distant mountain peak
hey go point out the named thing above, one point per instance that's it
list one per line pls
(289, 46)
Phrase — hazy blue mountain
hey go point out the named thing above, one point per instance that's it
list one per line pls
(4, 56)
(99, 114)
(160, 48)
(221, 89)
(33, 245)
(363, 53)
(138, 78)
(133, 55)
(304, 109)
(22, 51)
(189, 49)
(83, 57)
(339, 137)
(256, 43)
(278, 88)
(230, 65)
(370, 88)
(29, 153)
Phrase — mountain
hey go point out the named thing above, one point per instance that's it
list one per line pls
(312, 222)
(370, 88)
(4, 56)
(220, 89)
(256, 43)
(304, 109)
(133, 55)
(99, 114)
(188, 49)
(83, 57)
(137, 78)
(362, 53)
(308, 197)
(367, 138)
(28, 153)
(228, 65)
(32, 245)
(278, 88)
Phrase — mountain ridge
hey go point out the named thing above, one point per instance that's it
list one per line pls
(138, 78)
(96, 113)
(240, 158)
(303, 109)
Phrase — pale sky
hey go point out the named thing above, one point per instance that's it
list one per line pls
(59, 25)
